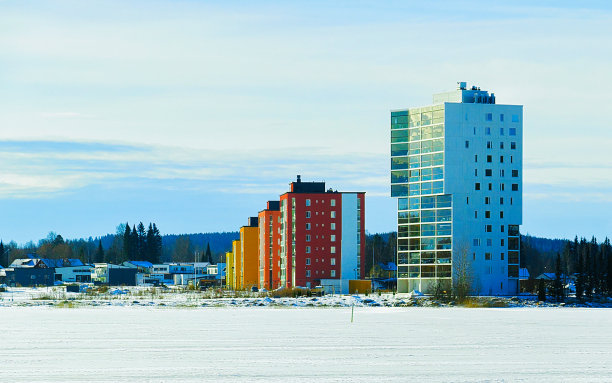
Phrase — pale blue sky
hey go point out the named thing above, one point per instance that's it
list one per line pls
(192, 114)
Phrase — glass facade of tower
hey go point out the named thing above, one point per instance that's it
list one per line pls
(424, 211)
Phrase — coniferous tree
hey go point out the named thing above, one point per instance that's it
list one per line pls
(606, 250)
(3, 257)
(141, 242)
(541, 290)
(558, 284)
(156, 247)
(133, 244)
(588, 268)
(580, 270)
(208, 254)
(99, 257)
(127, 242)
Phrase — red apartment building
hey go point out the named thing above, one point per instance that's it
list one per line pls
(322, 236)
(269, 246)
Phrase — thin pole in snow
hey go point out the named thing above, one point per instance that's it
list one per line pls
(352, 311)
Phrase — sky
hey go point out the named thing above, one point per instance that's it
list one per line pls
(193, 114)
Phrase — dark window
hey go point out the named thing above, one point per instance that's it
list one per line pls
(475, 157)
(501, 159)
(477, 186)
(501, 214)
(467, 144)
(489, 158)
(488, 172)
(488, 228)
(487, 214)
(490, 186)
(514, 187)
(513, 145)
(514, 173)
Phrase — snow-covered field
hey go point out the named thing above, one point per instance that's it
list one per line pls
(268, 344)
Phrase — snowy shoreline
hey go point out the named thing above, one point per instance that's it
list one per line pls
(139, 297)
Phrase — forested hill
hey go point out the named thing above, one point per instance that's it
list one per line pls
(219, 242)
(544, 245)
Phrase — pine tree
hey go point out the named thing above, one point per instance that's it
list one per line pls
(134, 244)
(127, 242)
(208, 254)
(606, 250)
(3, 263)
(558, 284)
(99, 256)
(141, 242)
(156, 246)
(588, 267)
(541, 290)
(580, 269)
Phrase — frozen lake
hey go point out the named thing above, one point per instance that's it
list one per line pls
(305, 345)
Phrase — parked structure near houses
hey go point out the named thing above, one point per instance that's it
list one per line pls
(28, 276)
(456, 169)
(114, 275)
(80, 274)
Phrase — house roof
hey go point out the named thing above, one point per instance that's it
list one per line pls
(24, 262)
(139, 263)
(549, 276)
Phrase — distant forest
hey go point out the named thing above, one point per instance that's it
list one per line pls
(538, 254)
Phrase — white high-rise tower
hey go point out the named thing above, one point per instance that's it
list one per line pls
(456, 168)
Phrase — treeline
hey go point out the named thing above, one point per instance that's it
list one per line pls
(130, 242)
(591, 263)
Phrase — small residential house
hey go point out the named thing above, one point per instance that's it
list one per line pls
(78, 274)
(114, 275)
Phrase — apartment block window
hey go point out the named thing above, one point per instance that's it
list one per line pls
(488, 228)
(489, 158)
(475, 157)
(333, 238)
(333, 214)
(476, 242)
(308, 226)
(332, 250)
(307, 249)
(515, 118)
(502, 172)
(332, 273)
(501, 214)
(308, 238)
(514, 187)
(487, 256)
(475, 213)
(307, 202)
(501, 159)
(501, 145)
(501, 187)
(307, 273)
(511, 159)
(333, 261)
(490, 186)
(502, 254)
(489, 242)
(477, 186)
(487, 200)
(488, 131)
(501, 117)
(333, 226)
(487, 214)
(489, 116)
(502, 243)
(489, 144)
(474, 130)
(332, 202)
(488, 172)
(307, 214)
(307, 261)
(512, 131)
(502, 228)
(467, 200)
(501, 131)
(514, 173)
(513, 145)
(467, 144)
(501, 200)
